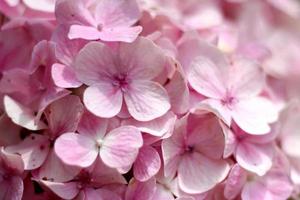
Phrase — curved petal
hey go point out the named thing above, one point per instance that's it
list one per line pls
(141, 190)
(254, 115)
(12, 189)
(118, 13)
(198, 174)
(40, 5)
(95, 62)
(122, 34)
(120, 146)
(75, 149)
(235, 182)
(206, 78)
(84, 32)
(33, 150)
(63, 190)
(64, 76)
(256, 158)
(147, 164)
(141, 64)
(146, 100)
(61, 120)
(103, 100)
(21, 115)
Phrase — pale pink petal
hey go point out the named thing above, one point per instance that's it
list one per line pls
(84, 32)
(178, 85)
(256, 158)
(62, 172)
(11, 189)
(61, 120)
(215, 106)
(246, 78)
(10, 162)
(141, 190)
(33, 150)
(198, 174)
(147, 164)
(162, 193)
(64, 190)
(73, 12)
(41, 5)
(64, 76)
(92, 126)
(117, 13)
(254, 115)
(275, 186)
(95, 62)
(235, 182)
(146, 100)
(101, 194)
(206, 78)
(141, 64)
(230, 141)
(120, 146)
(75, 149)
(156, 127)
(103, 100)
(123, 34)
(21, 115)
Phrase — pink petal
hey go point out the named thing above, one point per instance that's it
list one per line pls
(141, 64)
(246, 78)
(10, 162)
(61, 120)
(11, 189)
(162, 193)
(198, 174)
(254, 115)
(103, 100)
(178, 85)
(141, 190)
(101, 194)
(118, 13)
(123, 34)
(215, 106)
(95, 62)
(206, 78)
(156, 127)
(147, 164)
(64, 76)
(75, 149)
(66, 49)
(73, 12)
(84, 32)
(120, 146)
(92, 126)
(235, 182)
(146, 100)
(33, 150)
(40, 5)
(256, 158)
(21, 115)
(62, 172)
(63, 190)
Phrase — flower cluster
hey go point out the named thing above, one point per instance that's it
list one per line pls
(150, 99)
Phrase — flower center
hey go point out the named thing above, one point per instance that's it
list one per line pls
(229, 101)
(121, 81)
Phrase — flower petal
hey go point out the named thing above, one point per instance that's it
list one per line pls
(103, 100)
(123, 34)
(75, 149)
(83, 32)
(64, 76)
(21, 115)
(147, 164)
(198, 174)
(120, 146)
(63, 190)
(146, 100)
(33, 150)
(103, 194)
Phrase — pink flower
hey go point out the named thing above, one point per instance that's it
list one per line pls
(111, 20)
(126, 73)
(195, 151)
(117, 149)
(232, 88)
